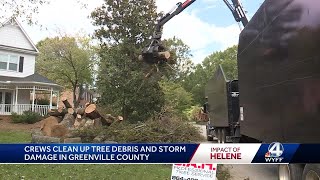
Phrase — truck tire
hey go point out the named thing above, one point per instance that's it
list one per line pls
(209, 138)
(290, 171)
(311, 172)
(221, 133)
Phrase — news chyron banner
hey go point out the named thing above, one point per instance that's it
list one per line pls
(160, 153)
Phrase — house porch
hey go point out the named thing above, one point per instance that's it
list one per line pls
(15, 98)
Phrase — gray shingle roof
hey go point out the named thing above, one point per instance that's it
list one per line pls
(32, 78)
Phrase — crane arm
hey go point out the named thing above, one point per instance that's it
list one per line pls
(237, 11)
(151, 53)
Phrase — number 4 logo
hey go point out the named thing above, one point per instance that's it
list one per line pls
(275, 149)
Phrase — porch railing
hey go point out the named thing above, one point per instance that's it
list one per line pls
(7, 109)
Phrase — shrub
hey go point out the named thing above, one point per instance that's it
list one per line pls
(27, 117)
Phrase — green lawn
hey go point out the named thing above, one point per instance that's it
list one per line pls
(15, 137)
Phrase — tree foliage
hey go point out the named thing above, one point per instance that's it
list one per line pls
(123, 28)
(176, 97)
(20, 8)
(197, 80)
(66, 60)
(181, 55)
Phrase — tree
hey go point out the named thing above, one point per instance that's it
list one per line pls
(196, 81)
(124, 27)
(20, 8)
(176, 96)
(67, 61)
(181, 55)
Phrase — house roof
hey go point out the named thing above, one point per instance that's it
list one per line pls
(33, 79)
(13, 44)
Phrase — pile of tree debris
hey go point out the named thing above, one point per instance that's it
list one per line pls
(62, 122)
(163, 127)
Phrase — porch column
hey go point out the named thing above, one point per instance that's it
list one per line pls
(33, 96)
(51, 91)
(16, 100)
(58, 98)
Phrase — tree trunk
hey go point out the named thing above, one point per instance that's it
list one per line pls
(72, 111)
(66, 103)
(68, 120)
(74, 95)
(81, 111)
(72, 140)
(48, 123)
(44, 139)
(57, 112)
(59, 130)
(93, 113)
(77, 122)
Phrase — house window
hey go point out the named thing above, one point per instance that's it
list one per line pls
(3, 61)
(13, 63)
(9, 62)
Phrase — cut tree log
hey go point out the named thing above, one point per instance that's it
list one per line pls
(68, 120)
(164, 55)
(97, 123)
(82, 123)
(89, 123)
(72, 140)
(81, 111)
(44, 139)
(72, 111)
(57, 112)
(77, 122)
(66, 102)
(59, 130)
(48, 123)
(93, 113)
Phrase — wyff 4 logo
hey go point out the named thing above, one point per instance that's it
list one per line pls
(275, 150)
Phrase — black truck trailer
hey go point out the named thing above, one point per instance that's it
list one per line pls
(278, 86)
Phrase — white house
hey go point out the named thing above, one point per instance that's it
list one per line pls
(19, 83)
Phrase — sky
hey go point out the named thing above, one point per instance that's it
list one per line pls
(205, 26)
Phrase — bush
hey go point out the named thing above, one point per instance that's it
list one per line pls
(27, 117)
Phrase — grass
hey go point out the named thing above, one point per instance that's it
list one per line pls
(15, 137)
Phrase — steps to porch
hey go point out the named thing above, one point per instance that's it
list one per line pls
(8, 109)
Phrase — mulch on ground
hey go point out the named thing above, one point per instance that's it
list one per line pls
(6, 124)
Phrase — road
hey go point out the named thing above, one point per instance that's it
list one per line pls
(249, 172)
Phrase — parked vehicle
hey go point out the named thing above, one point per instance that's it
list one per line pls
(278, 82)
(277, 95)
